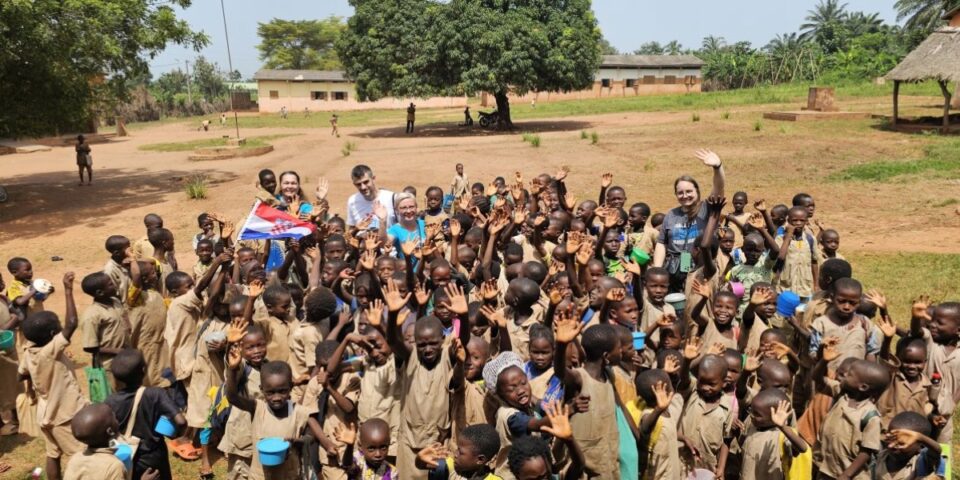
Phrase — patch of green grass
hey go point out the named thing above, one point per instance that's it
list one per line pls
(535, 141)
(758, 125)
(594, 138)
(196, 187)
(348, 148)
(583, 135)
(941, 158)
(192, 145)
(725, 116)
(946, 203)
(696, 117)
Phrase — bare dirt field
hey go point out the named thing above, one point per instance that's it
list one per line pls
(48, 214)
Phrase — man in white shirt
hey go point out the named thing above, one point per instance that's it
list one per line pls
(360, 205)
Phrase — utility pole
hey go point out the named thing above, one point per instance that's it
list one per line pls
(236, 120)
(186, 64)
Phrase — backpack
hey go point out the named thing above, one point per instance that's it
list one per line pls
(220, 408)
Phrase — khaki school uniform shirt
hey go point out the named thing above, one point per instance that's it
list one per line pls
(841, 438)
(663, 455)
(520, 333)
(303, 347)
(381, 396)
(207, 372)
(425, 408)
(900, 396)
(142, 248)
(349, 387)
(266, 424)
(948, 364)
(853, 337)
(180, 333)
(501, 468)
(105, 326)
(706, 425)
(596, 430)
(651, 314)
(693, 298)
(277, 333)
(762, 455)
(120, 278)
(100, 464)
(471, 405)
(59, 397)
(238, 435)
(148, 320)
(908, 472)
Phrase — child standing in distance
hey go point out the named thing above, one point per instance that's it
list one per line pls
(84, 159)
(207, 222)
(850, 434)
(120, 254)
(766, 437)
(130, 369)
(458, 187)
(942, 335)
(148, 319)
(596, 430)
(95, 426)
(104, 324)
(51, 372)
(707, 419)
(798, 255)
(738, 217)
(428, 374)
(908, 451)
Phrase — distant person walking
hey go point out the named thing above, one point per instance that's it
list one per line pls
(411, 117)
(84, 159)
(223, 119)
(283, 112)
(467, 119)
(333, 125)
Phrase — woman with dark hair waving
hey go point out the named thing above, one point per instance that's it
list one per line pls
(682, 225)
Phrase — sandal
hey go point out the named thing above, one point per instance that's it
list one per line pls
(184, 450)
(207, 475)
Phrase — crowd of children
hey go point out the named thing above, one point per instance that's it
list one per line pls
(500, 331)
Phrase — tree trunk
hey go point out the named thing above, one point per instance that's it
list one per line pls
(503, 109)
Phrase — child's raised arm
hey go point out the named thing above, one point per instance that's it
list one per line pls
(316, 268)
(333, 363)
(919, 315)
(498, 325)
(714, 207)
(704, 290)
(70, 319)
(558, 425)
(566, 328)
(605, 181)
(234, 360)
(664, 398)
(395, 303)
(204, 281)
(779, 416)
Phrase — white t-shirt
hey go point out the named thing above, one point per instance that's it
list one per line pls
(358, 208)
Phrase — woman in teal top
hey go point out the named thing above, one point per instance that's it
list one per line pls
(409, 225)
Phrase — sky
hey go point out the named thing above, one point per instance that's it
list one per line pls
(625, 23)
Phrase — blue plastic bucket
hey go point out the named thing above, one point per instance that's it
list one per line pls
(787, 303)
(639, 340)
(272, 451)
(125, 454)
(165, 427)
(7, 339)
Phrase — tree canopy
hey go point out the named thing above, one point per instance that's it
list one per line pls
(420, 48)
(300, 44)
(62, 61)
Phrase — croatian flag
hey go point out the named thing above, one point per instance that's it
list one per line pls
(266, 222)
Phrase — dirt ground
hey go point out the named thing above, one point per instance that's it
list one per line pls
(48, 214)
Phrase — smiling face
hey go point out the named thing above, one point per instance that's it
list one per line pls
(289, 185)
(616, 197)
(366, 186)
(724, 309)
(23, 272)
(913, 360)
(513, 388)
(205, 252)
(253, 348)
(687, 194)
(407, 210)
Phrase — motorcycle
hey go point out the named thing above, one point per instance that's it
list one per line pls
(489, 119)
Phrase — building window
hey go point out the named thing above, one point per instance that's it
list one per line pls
(649, 79)
(631, 82)
(318, 95)
(669, 79)
(339, 95)
(274, 94)
(605, 83)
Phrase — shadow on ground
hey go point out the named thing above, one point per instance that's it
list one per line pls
(441, 130)
(45, 203)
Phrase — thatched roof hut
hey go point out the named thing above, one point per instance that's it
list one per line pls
(937, 58)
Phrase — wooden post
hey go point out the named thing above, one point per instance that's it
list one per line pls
(946, 104)
(896, 101)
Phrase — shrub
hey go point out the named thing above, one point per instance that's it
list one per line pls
(594, 138)
(725, 115)
(696, 117)
(196, 187)
(758, 125)
(348, 148)
(535, 141)
(583, 135)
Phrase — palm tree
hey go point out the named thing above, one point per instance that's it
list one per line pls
(923, 15)
(712, 44)
(673, 48)
(826, 12)
(650, 48)
(859, 23)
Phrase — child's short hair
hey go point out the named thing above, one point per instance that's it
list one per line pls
(526, 448)
(768, 398)
(657, 219)
(484, 438)
(273, 294)
(527, 291)
(128, 366)
(597, 340)
(846, 284)
(875, 375)
(116, 243)
(866, 308)
(15, 263)
(204, 242)
(801, 199)
(912, 421)
(37, 327)
(835, 269)
(159, 235)
(174, 280)
(277, 367)
(535, 271)
(202, 218)
(325, 350)
(642, 207)
(434, 188)
(337, 220)
(266, 172)
(655, 272)
(775, 335)
(911, 342)
(428, 323)
(646, 381)
(540, 331)
(726, 294)
(94, 282)
(320, 303)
